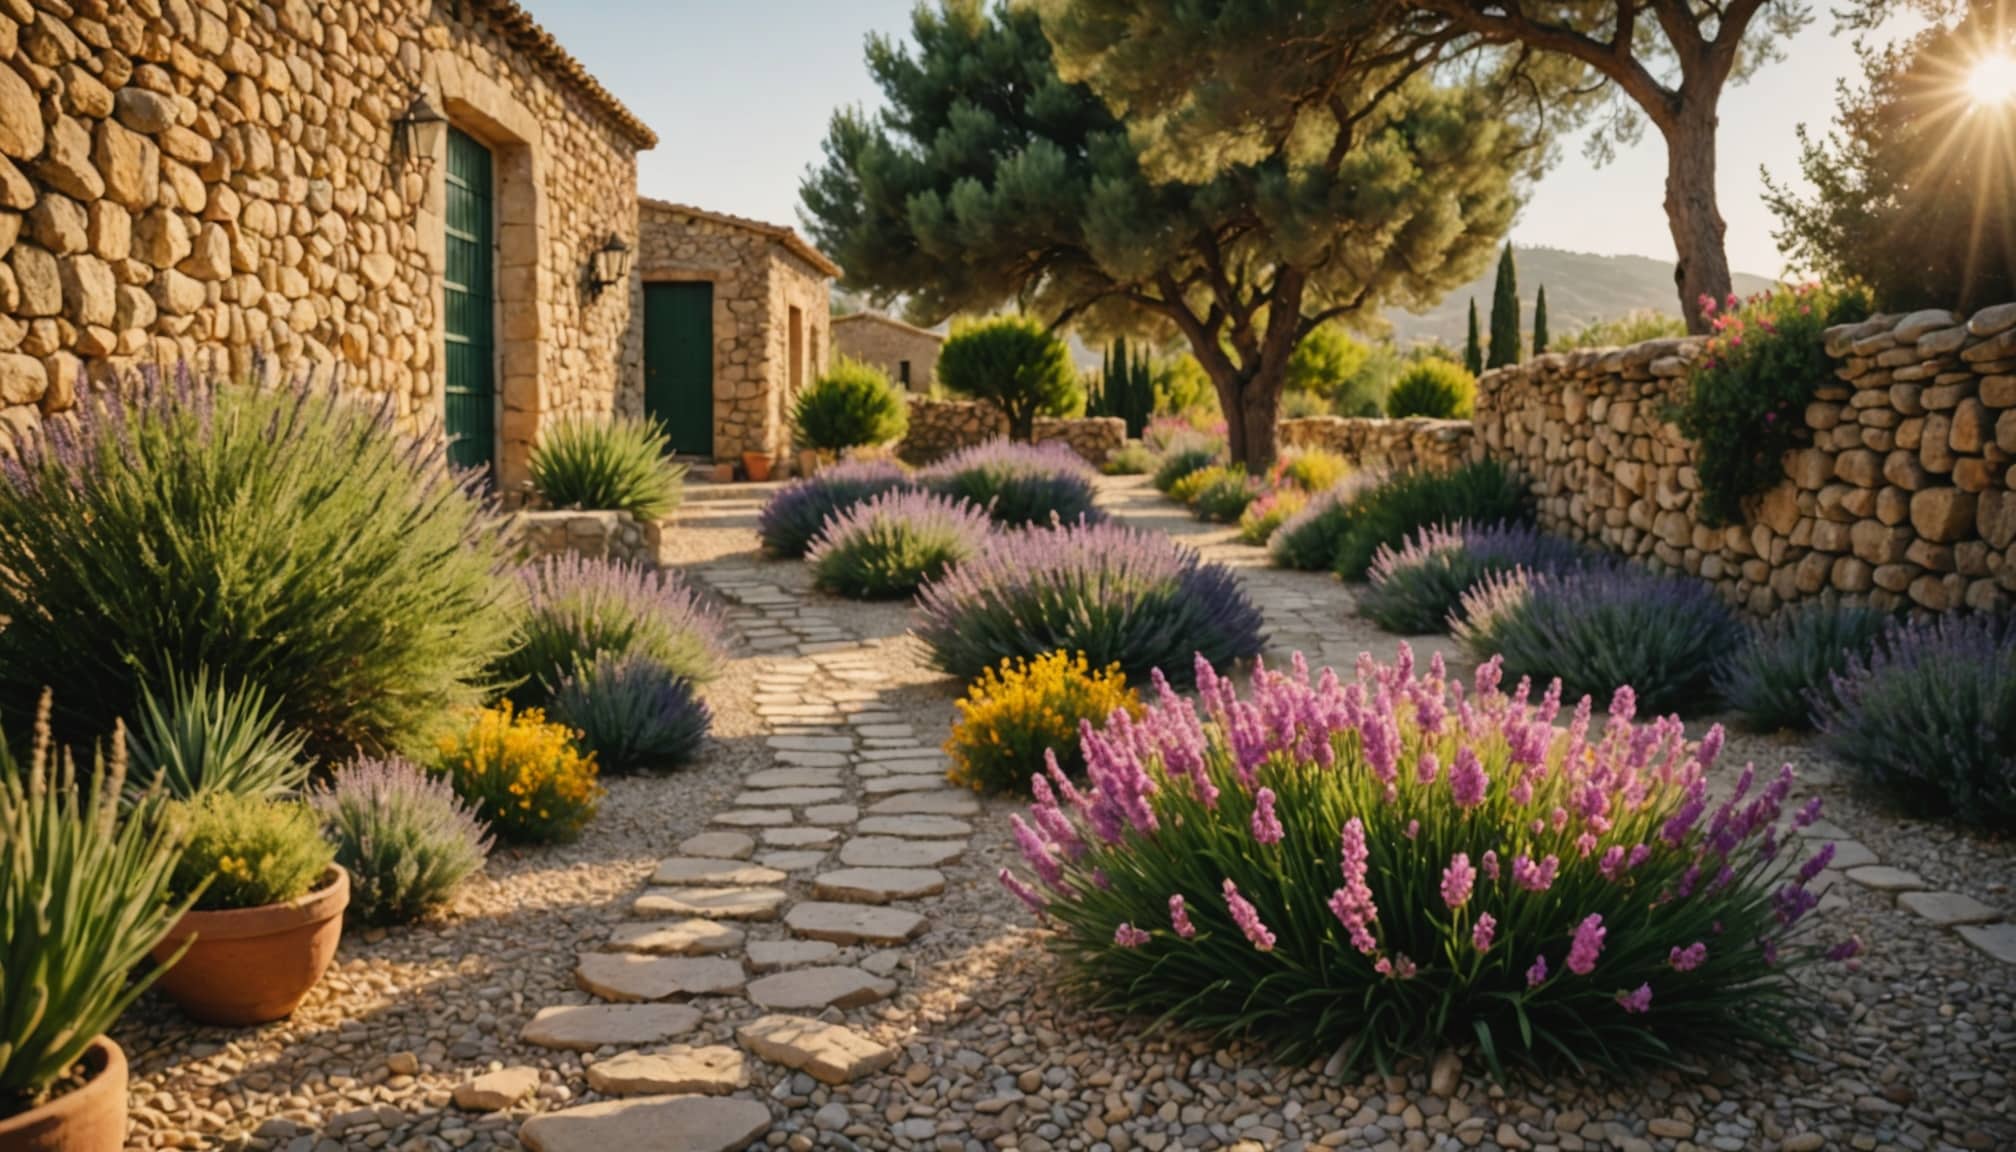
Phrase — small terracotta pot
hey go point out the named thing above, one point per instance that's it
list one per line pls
(254, 965)
(87, 1119)
(757, 465)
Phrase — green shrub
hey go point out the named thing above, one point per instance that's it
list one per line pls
(285, 538)
(576, 608)
(524, 776)
(1225, 498)
(1339, 374)
(1634, 327)
(890, 545)
(1784, 670)
(1747, 393)
(1179, 462)
(1130, 459)
(403, 836)
(614, 465)
(84, 899)
(1186, 490)
(1482, 492)
(207, 737)
(633, 713)
(1433, 388)
(1311, 470)
(1013, 363)
(1307, 540)
(247, 851)
(851, 405)
(1416, 589)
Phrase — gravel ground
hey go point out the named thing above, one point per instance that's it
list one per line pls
(1913, 1051)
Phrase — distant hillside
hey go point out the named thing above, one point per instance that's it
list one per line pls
(1581, 287)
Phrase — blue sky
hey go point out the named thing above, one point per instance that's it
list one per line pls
(739, 92)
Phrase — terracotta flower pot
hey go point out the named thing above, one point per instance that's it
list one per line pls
(87, 1119)
(253, 965)
(757, 465)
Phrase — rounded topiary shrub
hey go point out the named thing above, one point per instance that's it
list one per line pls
(1225, 496)
(615, 465)
(577, 608)
(633, 713)
(1787, 663)
(1416, 588)
(794, 515)
(1929, 717)
(1434, 388)
(405, 838)
(1016, 717)
(1018, 484)
(890, 545)
(1602, 628)
(1343, 868)
(851, 405)
(1014, 364)
(1117, 595)
(1482, 492)
(285, 538)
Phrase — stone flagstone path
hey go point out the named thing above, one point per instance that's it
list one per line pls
(797, 902)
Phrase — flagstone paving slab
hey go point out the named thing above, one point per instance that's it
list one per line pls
(627, 976)
(853, 923)
(813, 989)
(907, 782)
(833, 814)
(829, 1053)
(713, 1070)
(877, 885)
(812, 759)
(897, 852)
(811, 743)
(946, 803)
(794, 859)
(789, 797)
(1948, 909)
(914, 827)
(775, 955)
(793, 778)
(719, 845)
(799, 837)
(687, 870)
(753, 817)
(1997, 940)
(724, 903)
(650, 1124)
(1884, 878)
(694, 937)
(586, 1027)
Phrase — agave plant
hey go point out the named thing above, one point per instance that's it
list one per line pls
(210, 737)
(618, 465)
(84, 899)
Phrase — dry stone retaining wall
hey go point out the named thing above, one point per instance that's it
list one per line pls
(1904, 496)
(601, 535)
(1382, 445)
(939, 428)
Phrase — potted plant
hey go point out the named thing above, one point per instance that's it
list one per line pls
(85, 898)
(757, 466)
(268, 913)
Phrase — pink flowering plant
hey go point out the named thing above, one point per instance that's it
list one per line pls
(1390, 862)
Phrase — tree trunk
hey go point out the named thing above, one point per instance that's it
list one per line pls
(1251, 403)
(1694, 217)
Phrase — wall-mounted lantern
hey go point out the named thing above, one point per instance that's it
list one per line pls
(609, 266)
(420, 130)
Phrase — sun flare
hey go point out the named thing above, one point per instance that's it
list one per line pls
(1992, 80)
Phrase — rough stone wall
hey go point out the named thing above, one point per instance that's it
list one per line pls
(202, 179)
(1904, 496)
(603, 535)
(886, 344)
(1383, 445)
(939, 428)
(756, 284)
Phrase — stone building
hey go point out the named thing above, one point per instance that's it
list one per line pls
(909, 354)
(734, 324)
(205, 178)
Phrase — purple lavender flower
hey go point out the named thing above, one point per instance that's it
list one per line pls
(894, 543)
(1637, 1002)
(1266, 823)
(792, 517)
(1024, 892)
(1128, 936)
(1535, 877)
(1689, 958)
(1467, 781)
(1587, 946)
(1179, 918)
(1018, 484)
(1537, 974)
(1039, 854)
(1247, 918)
(1457, 880)
(1846, 950)
(1485, 931)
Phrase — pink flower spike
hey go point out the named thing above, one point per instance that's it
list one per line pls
(1638, 1002)
(1266, 823)
(1537, 974)
(1247, 918)
(1689, 958)
(1484, 933)
(1457, 880)
(1179, 918)
(1587, 946)
(1128, 936)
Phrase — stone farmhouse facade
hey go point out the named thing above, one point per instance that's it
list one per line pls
(735, 325)
(214, 181)
(908, 354)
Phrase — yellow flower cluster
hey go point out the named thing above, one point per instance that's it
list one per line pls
(1009, 717)
(1186, 490)
(525, 776)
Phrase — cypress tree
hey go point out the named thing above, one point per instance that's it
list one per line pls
(1540, 322)
(1505, 313)
(1143, 390)
(1473, 351)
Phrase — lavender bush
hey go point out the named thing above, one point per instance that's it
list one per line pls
(1388, 865)
(1482, 491)
(890, 545)
(1929, 717)
(576, 608)
(405, 838)
(1017, 484)
(1307, 541)
(1184, 450)
(1789, 660)
(795, 514)
(1603, 628)
(1416, 587)
(633, 713)
(1107, 591)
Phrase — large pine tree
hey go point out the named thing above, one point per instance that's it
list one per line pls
(1505, 313)
(990, 178)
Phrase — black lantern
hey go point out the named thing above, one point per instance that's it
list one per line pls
(609, 266)
(418, 133)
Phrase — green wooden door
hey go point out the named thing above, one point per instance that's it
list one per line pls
(679, 363)
(469, 300)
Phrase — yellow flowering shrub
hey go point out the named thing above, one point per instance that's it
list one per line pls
(524, 776)
(1011, 715)
(247, 851)
(1186, 490)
